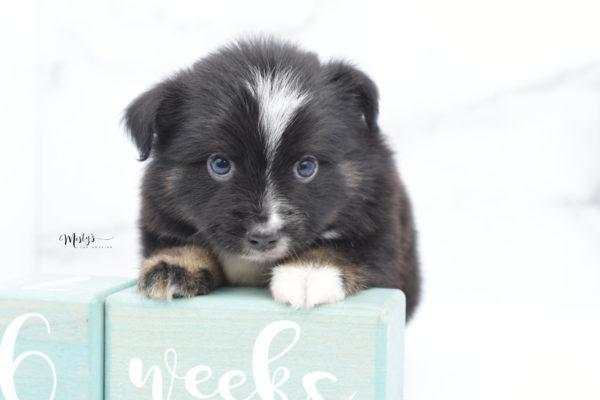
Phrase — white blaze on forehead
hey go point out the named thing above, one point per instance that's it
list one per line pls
(279, 96)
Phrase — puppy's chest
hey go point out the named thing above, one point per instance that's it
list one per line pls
(245, 272)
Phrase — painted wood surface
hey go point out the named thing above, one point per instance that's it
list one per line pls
(52, 338)
(237, 343)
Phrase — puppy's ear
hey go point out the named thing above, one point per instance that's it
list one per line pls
(357, 87)
(152, 114)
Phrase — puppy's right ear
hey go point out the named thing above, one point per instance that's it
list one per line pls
(147, 117)
(355, 87)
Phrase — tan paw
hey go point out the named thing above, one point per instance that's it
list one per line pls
(166, 281)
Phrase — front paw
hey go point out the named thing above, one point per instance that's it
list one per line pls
(167, 281)
(305, 286)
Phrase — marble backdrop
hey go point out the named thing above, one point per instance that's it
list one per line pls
(493, 109)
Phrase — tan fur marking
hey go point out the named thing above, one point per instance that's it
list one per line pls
(192, 258)
(333, 217)
(352, 176)
(171, 178)
(353, 280)
(182, 275)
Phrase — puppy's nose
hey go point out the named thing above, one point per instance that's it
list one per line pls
(263, 240)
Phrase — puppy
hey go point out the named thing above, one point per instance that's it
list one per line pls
(267, 167)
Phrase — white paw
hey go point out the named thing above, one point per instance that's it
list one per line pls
(305, 286)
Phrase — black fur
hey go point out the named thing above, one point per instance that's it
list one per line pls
(208, 109)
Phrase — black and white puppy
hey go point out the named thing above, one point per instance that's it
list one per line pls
(268, 168)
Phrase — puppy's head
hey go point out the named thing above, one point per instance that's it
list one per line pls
(259, 147)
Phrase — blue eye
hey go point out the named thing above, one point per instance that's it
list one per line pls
(219, 166)
(306, 168)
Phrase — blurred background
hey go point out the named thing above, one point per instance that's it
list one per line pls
(492, 108)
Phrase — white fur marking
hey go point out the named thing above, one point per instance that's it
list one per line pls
(271, 204)
(157, 291)
(331, 234)
(279, 96)
(305, 286)
(171, 291)
(240, 271)
(275, 221)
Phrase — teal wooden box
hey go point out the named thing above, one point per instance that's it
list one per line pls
(237, 343)
(51, 336)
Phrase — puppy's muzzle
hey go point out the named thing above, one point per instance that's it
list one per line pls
(263, 240)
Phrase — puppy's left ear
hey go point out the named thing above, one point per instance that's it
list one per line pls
(356, 87)
(151, 116)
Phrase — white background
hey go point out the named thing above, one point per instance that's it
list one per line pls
(493, 109)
